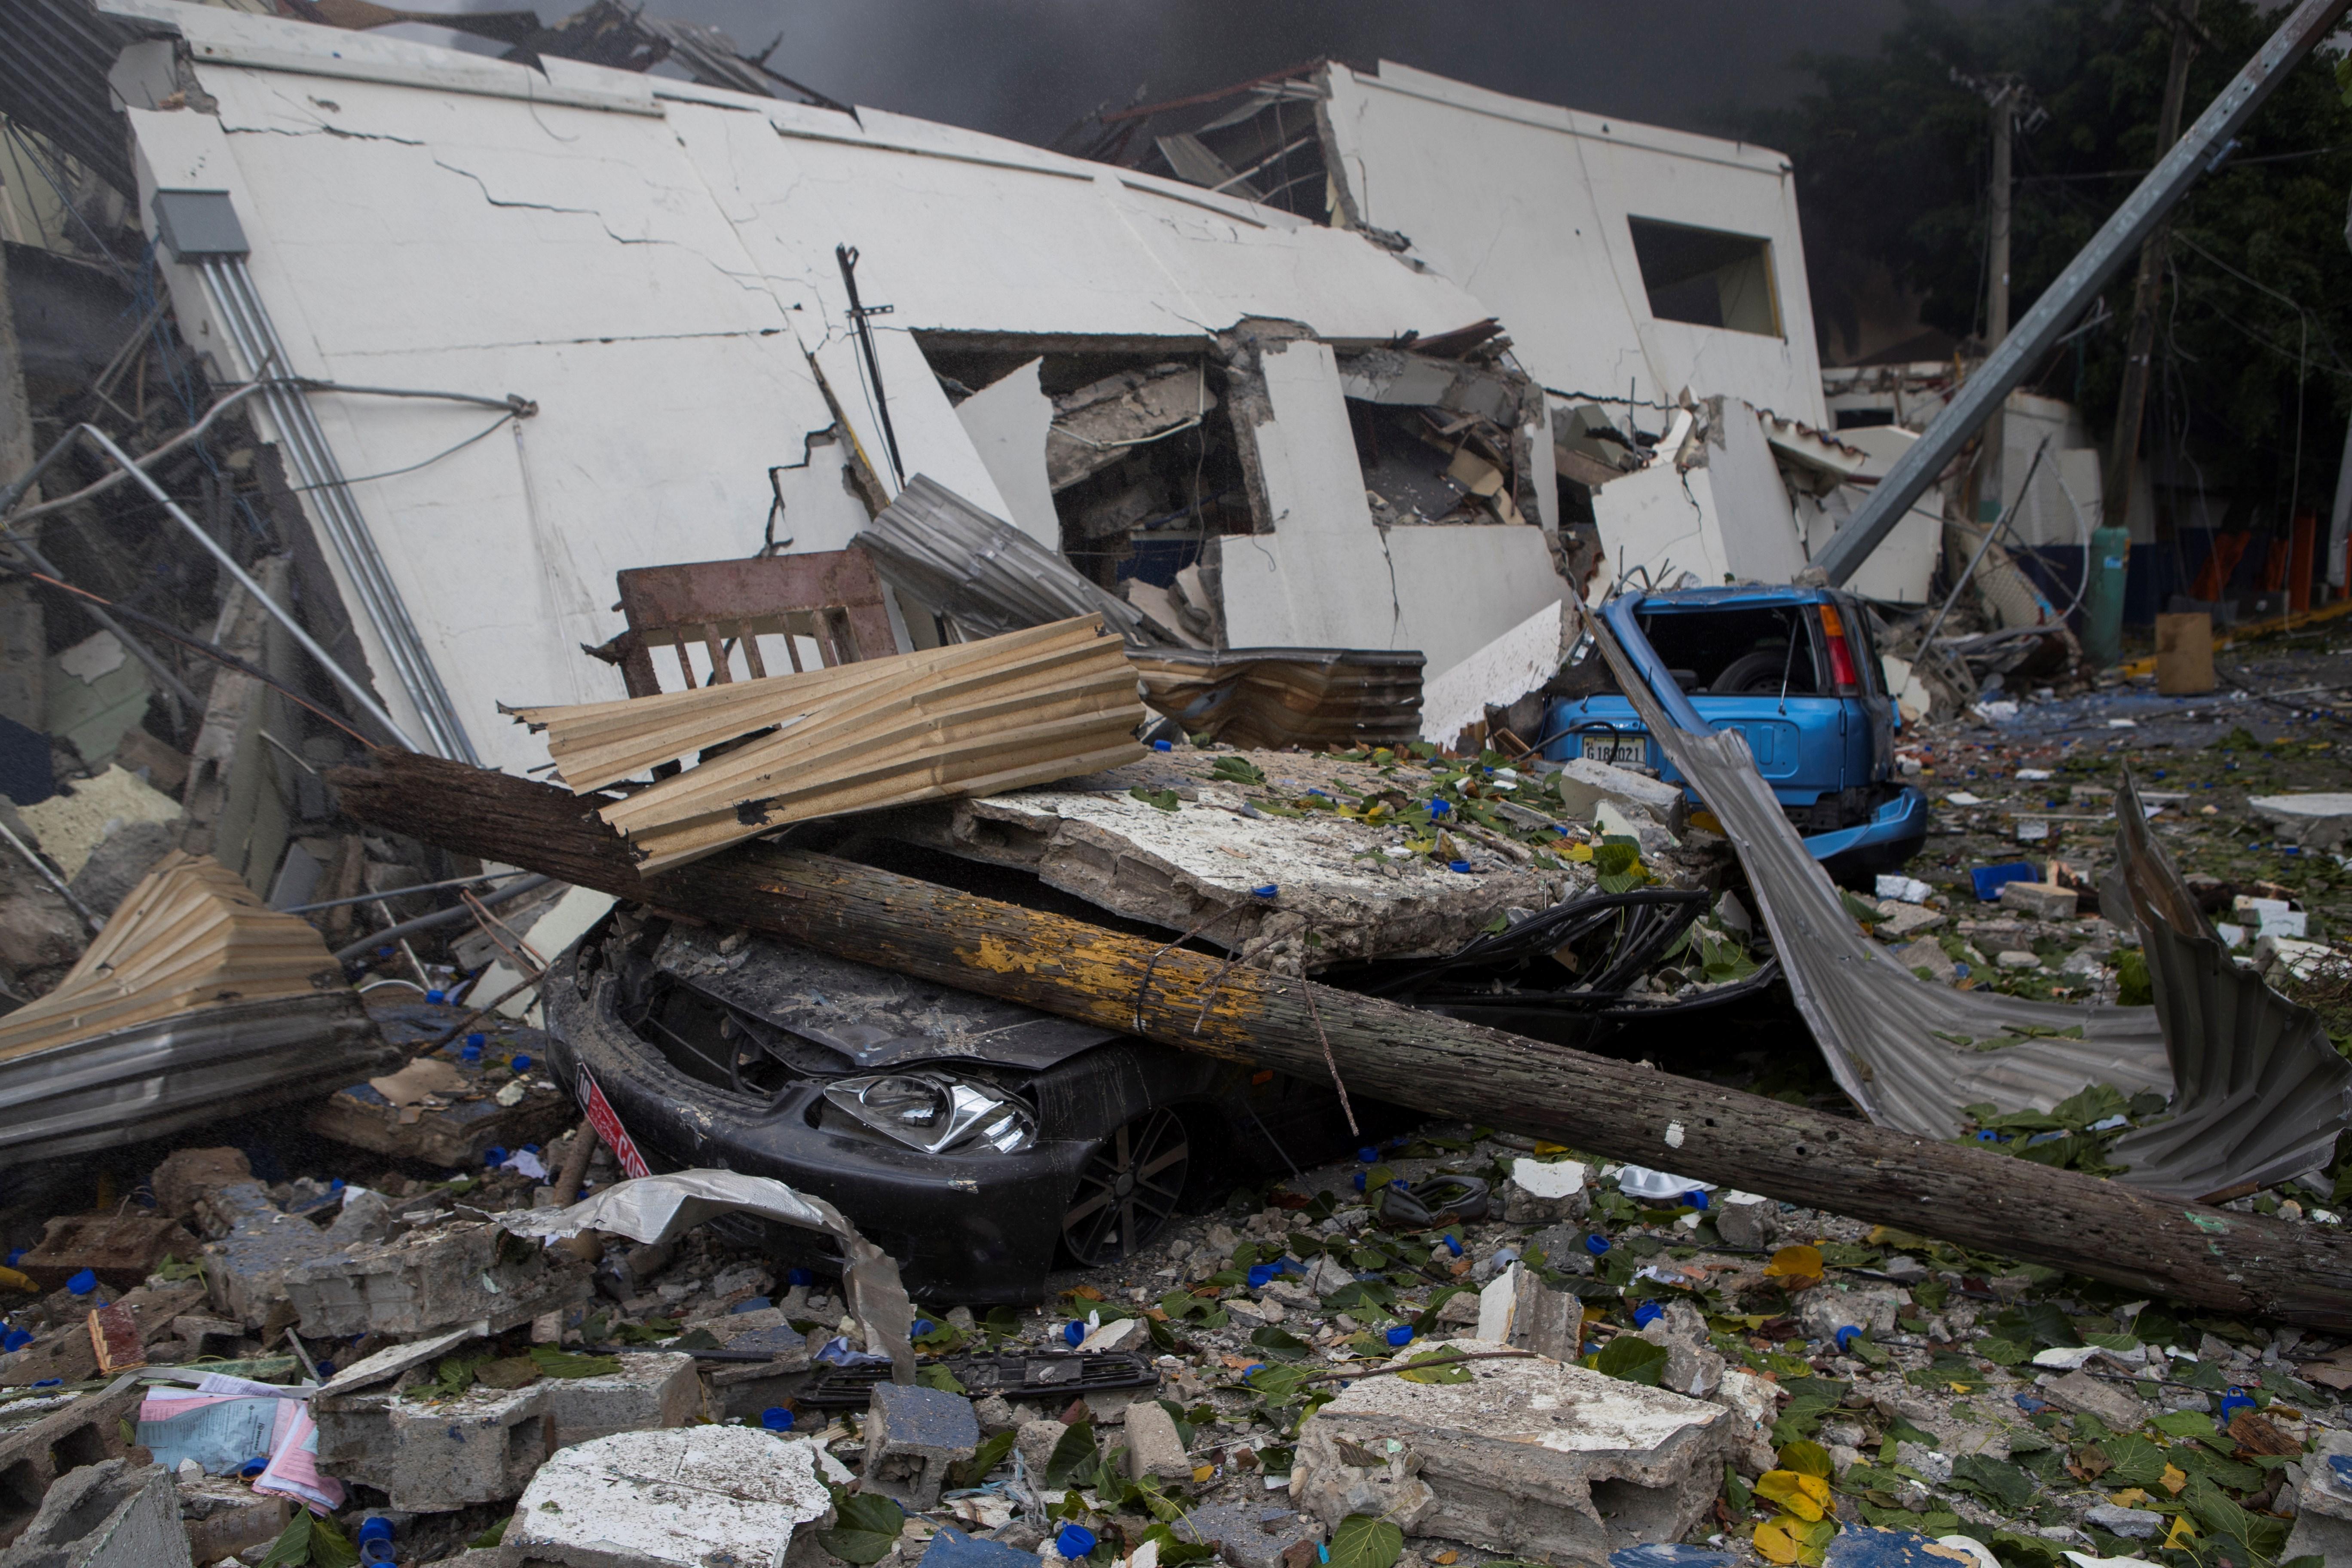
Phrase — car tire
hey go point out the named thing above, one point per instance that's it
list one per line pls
(1752, 675)
(1128, 1190)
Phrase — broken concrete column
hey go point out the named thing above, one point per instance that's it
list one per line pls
(107, 1515)
(653, 1390)
(1516, 1307)
(1154, 1446)
(686, 1499)
(1585, 783)
(258, 1243)
(2043, 900)
(1534, 1457)
(460, 1273)
(912, 1434)
(430, 1456)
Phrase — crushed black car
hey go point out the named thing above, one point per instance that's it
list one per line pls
(979, 1142)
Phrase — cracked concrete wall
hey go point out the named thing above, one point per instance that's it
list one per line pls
(1526, 203)
(653, 263)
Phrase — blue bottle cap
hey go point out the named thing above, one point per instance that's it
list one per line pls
(923, 1326)
(1075, 1541)
(478, 1040)
(799, 1277)
(1359, 1181)
(383, 953)
(1695, 1197)
(494, 1156)
(1647, 1312)
(1401, 1335)
(437, 995)
(335, 1184)
(470, 1054)
(15, 1340)
(1846, 1336)
(1254, 1367)
(1596, 1244)
(13, 1254)
(1267, 891)
(1074, 1331)
(83, 1283)
(1463, 865)
(254, 1467)
(776, 1418)
(326, 1370)
(1453, 1247)
(518, 1063)
(374, 1527)
(1438, 808)
(1170, 745)
(48, 1382)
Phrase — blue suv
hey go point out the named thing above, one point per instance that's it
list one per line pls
(1794, 671)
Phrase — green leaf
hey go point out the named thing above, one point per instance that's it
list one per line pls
(1807, 1457)
(329, 1548)
(1996, 1480)
(1632, 1359)
(2133, 1460)
(1280, 1346)
(2004, 1352)
(491, 1537)
(866, 1526)
(1073, 1454)
(1364, 1541)
(2184, 1422)
(1451, 1371)
(292, 1547)
(1278, 1385)
(935, 1374)
(1162, 799)
(553, 1361)
(1234, 770)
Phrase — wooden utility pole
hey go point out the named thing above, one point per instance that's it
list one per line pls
(2131, 402)
(2003, 96)
(2237, 1263)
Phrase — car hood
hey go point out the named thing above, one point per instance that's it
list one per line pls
(870, 1017)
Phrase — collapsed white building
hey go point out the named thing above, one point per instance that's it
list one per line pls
(1117, 360)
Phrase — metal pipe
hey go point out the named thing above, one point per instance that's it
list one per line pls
(437, 917)
(312, 459)
(53, 879)
(2006, 366)
(401, 892)
(352, 688)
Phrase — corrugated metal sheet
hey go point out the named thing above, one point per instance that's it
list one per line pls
(2256, 1094)
(987, 574)
(54, 57)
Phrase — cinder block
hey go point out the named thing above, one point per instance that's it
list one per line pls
(654, 1389)
(1247, 1535)
(107, 1515)
(912, 1434)
(2043, 900)
(433, 1279)
(1154, 1446)
(89, 1431)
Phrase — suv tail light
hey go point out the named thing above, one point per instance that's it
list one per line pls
(1842, 669)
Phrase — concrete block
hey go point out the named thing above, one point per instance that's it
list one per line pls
(107, 1515)
(1154, 1446)
(426, 1281)
(1035, 1443)
(654, 1389)
(1546, 1192)
(951, 1548)
(2111, 1403)
(1249, 1535)
(1518, 1309)
(120, 1250)
(223, 1517)
(187, 1176)
(2131, 1523)
(1870, 1307)
(1755, 1404)
(1585, 783)
(1538, 1459)
(691, 1497)
(431, 1456)
(2043, 900)
(1744, 1219)
(88, 1431)
(912, 1434)
(258, 1243)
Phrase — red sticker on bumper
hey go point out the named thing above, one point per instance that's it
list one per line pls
(607, 1123)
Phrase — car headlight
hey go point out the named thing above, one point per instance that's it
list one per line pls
(937, 1112)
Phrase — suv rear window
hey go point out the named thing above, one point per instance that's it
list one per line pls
(1739, 652)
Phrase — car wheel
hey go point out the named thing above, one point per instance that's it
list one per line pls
(1757, 674)
(1127, 1189)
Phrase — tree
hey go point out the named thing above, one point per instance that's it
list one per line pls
(1891, 156)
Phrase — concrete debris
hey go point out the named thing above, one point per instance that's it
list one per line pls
(112, 1514)
(1528, 1457)
(687, 1499)
(912, 1435)
(429, 1281)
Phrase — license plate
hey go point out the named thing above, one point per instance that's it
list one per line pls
(1616, 750)
(607, 1122)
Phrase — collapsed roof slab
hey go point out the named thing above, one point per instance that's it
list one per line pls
(652, 262)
